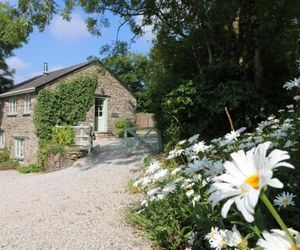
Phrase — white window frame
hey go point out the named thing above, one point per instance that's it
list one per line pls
(12, 103)
(27, 104)
(2, 140)
(19, 148)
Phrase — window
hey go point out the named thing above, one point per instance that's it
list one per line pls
(12, 106)
(2, 139)
(27, 104)
(19, 148)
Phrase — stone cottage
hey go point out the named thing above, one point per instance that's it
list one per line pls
(113, 100)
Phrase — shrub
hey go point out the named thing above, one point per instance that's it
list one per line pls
(63, 135)
(6, 162)
(4, 155)
(121, 125)
(9, 164)
(67, 104)
(202, 196)
(32, 168)
(47, 148)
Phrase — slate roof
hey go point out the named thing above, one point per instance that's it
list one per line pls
(36, 82)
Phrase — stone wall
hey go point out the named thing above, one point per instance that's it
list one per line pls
(19, 126)
(121, 104)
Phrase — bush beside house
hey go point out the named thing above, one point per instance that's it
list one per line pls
(121, 125)
(236, 192)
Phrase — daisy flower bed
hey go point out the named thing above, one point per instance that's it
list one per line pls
(240, 191)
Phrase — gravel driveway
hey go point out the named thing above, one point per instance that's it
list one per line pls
(75, 208)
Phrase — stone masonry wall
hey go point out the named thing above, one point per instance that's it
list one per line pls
(19, 126)
(121, 104)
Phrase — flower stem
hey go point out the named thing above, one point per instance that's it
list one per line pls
(277, 217)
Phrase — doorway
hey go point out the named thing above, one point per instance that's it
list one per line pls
(101, 114)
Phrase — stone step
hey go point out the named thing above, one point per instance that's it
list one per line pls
(104, 135)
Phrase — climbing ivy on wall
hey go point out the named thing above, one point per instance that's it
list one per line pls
(67, 104)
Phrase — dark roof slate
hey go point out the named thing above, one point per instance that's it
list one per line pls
(41, 80)
(36, 82)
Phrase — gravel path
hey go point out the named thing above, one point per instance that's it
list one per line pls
(75, 208)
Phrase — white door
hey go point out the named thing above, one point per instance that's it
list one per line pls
(101, 114)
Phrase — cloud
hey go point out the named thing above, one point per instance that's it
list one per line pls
(17, 63)
(75, 30)
(148, 33)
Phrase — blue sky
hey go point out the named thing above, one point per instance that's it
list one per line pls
(64, 44)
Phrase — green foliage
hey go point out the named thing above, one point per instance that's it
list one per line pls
(67, 104)
(121, 125)
(4, 155)
(9, 164)
(14, 31)
(168, 222)
(171, 216)
(6, 162)
(63, 135)
(47, 149)
(32, 168)
(132, 69)
(198, 106)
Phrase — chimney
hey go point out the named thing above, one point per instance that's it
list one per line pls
(45, 68)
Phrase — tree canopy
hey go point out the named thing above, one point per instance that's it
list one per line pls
(14, 31)
(206, 55)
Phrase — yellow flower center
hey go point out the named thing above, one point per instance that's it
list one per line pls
(285, 201)
(294, 248)
(212, 234)
(253, 181)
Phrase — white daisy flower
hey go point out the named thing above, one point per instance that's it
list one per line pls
(170, 187)
(217, 238)
(291, 84)
(195, 200)
(145, 181)
(194, 138)
(182, 142)
(245, 176)
(234, 237)
(199, 147)
(152, 192)
(190, 193)
(284, 199)
(161, 175)
(175, 171)
(154, 166)
(233, 135)
(296, 98)
(278, 240)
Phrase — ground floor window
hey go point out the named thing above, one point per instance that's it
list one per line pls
(19, 148)
(2, 139)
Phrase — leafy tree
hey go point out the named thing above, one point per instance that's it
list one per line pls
(233, 53)
(14, 31)
(131, 68)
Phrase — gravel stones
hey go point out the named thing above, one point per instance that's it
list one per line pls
(75, 208)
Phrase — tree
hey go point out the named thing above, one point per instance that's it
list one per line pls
(14, 31)
(244, 50)
(131, 68)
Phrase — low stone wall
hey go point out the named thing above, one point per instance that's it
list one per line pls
(63, 160)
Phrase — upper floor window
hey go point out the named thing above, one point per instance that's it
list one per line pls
(27, 104)
(2, 140)
(12, 106)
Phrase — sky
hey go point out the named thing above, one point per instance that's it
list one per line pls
(64, 44)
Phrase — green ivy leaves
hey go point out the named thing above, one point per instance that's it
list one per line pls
(66, 105)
